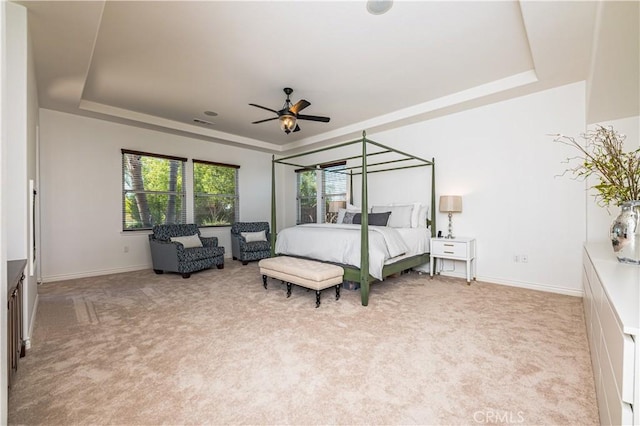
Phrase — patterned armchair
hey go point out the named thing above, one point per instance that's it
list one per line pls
(253, 245)
(192, 253)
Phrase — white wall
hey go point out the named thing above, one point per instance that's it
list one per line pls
(21, 151)
(18, 161)
(4, 101)
(17, 132)
(502, 161)
(613, 85)
(32, 122)
(81, 192)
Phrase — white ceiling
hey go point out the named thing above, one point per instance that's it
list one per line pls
(162, 64)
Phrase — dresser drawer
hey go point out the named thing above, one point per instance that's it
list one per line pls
(449, 248)
(620, 349)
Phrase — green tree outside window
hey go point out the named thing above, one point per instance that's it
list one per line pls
(215, 193)
(153, 191)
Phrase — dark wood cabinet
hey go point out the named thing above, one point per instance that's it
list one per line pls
(15, 341)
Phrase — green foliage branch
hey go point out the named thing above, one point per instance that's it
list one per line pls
(603, 156)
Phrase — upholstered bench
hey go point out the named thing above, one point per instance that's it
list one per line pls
(305, 273)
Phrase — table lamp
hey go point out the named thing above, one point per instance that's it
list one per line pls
(450, 204)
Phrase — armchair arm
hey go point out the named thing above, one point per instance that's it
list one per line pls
(237, 241)
(164, 254)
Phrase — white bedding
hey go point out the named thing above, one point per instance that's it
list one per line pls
(341, 244)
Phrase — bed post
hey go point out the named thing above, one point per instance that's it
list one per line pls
(273, 205)
(351, 187)
(364, 229)
(433, 197)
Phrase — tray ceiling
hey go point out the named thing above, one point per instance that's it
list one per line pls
(163, 64)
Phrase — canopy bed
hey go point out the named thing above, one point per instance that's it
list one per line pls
(367, 264)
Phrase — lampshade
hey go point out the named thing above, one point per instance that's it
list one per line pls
(287, 123)
(450, 203)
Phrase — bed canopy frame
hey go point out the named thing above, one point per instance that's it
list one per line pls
(359, 165)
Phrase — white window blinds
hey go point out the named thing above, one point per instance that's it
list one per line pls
(307, 196)
(334, 190)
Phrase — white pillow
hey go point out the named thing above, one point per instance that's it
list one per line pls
(252, 237)
(414, 214)
(422, 217)
(189, 241)
(419, 215)
(400, 215)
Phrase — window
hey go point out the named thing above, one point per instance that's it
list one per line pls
(215, 193)
(307, 196)
(330, 194)
(152, 190)
(334, 190)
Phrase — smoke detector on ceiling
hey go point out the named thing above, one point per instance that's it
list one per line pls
(379, 7)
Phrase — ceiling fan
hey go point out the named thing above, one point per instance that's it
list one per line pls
(290, 113)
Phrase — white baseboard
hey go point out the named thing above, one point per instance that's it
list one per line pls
(32, 323)
(524, 284)
(492, 280)
(88, 274)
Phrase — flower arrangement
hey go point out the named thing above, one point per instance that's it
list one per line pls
(603, 156)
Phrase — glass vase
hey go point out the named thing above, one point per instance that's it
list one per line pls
(625, 233)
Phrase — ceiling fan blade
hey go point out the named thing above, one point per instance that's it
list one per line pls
(297, 129)
(299, 106)
(268, 109)
(262, 121)
(313, 118)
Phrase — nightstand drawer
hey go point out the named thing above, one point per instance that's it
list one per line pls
(449, 248)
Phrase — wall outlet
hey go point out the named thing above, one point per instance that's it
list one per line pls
(520, 258)
(126, 249)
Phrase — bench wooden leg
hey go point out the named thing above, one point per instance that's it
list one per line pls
(264, 281)
(288, 289)
(317, 298)
(338, 292)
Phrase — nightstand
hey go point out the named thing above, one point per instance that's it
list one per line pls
(459, 248)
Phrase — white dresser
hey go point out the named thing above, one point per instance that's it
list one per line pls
(612, 315)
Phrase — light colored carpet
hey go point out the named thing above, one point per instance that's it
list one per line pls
(140, 348)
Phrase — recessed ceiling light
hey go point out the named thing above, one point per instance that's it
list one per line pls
(206, 123)
(378, 7)
(210, 113)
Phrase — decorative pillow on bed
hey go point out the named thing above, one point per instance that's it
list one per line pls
(341, 212)
(375, 219)
(252, 237)
(188, 241)
(348, 217)
(400, 215)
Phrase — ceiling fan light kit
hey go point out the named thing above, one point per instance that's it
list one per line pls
(289, 114)
(287, 123)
